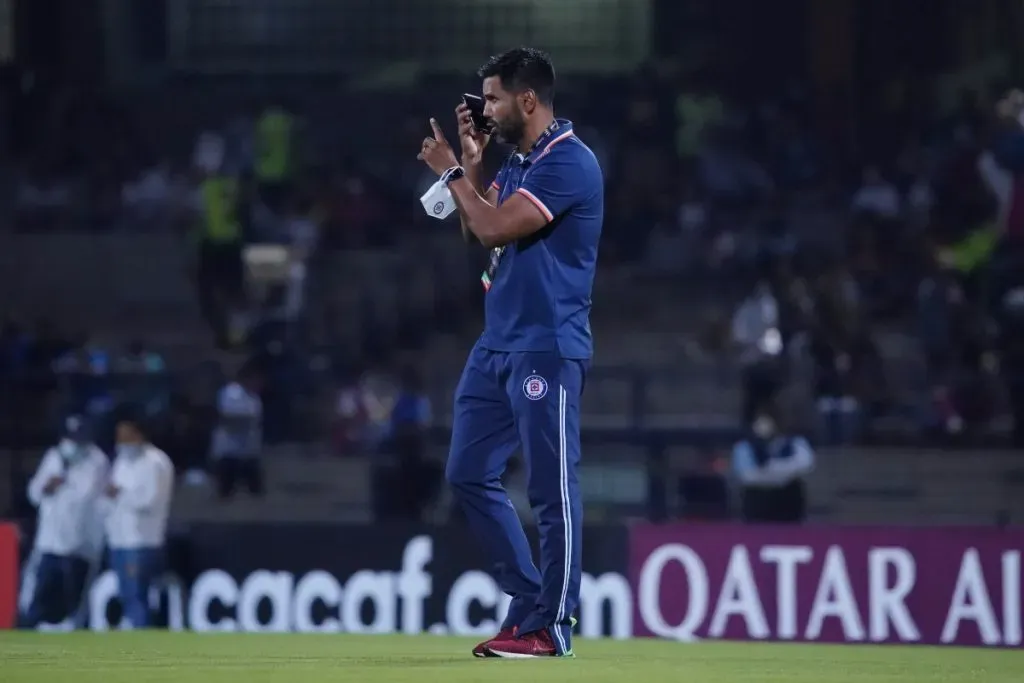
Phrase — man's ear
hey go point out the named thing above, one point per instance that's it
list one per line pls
(528, 100)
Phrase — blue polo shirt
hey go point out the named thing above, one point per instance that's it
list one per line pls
(539, 288)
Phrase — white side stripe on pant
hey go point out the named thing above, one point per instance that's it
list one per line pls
(563, 489)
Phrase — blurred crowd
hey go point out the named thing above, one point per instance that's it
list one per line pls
(884, 287)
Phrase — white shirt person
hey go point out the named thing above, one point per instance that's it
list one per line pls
(140, 491)
(66, 489)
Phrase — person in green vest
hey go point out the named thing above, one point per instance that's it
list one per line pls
(275, 156)
(220, 272)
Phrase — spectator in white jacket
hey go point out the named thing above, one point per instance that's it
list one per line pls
(140, 490)
(66, 489)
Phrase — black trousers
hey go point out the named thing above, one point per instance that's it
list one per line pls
(275, 195)
(220, 279)
(775, 505)
(231, 473)
(404, 489)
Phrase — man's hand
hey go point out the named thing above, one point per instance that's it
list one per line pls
(436, 151)
(113, 490)
(52, 484)
(472, 140)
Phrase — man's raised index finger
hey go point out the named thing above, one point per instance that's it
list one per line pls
(438, 133)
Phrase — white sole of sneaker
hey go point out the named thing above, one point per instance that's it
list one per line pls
(516, 655)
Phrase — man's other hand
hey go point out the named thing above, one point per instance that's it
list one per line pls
(52, 484)
(472, 140)
(436, 151)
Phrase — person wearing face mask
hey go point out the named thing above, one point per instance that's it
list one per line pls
(771, 468)
(66, 489)
(139, 493)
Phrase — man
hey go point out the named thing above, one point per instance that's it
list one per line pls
(541, 218)
(771, 469)
(410, 479)
(220, 271)
(142, 374)
(238, 437)
(140, 491)
(275, 151)
(66, 488)
(756, 335)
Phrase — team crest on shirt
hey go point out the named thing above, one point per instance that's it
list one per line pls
(535, 387)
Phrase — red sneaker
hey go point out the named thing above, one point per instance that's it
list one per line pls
(482, 650)
(529, 646)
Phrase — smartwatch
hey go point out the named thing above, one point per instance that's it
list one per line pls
(453, 173)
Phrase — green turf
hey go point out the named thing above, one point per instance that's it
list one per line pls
(226, 658)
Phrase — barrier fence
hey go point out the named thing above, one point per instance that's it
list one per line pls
(935, 586)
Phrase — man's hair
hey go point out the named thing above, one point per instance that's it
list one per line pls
(133, 416)
(523, 68)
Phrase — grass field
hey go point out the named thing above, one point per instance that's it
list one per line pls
(226, 658)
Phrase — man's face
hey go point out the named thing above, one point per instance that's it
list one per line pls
(764, 427)
(127, 434)
(503, 107)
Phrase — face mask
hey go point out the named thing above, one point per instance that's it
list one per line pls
(764, 428)
(129, 450)
(69, 450)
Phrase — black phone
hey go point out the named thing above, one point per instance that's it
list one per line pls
(476, 109)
